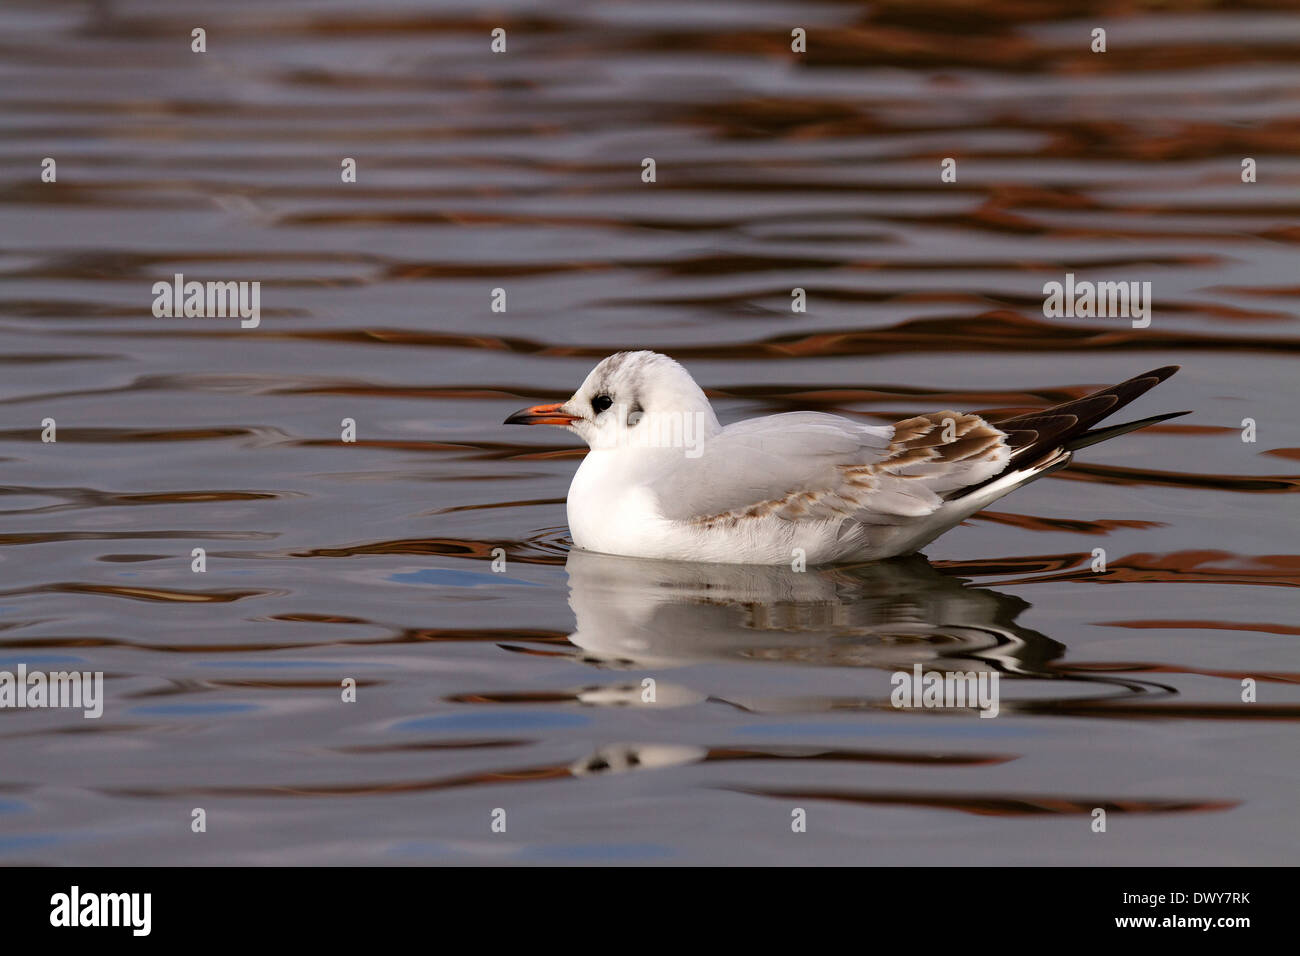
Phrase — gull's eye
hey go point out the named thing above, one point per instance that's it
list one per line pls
(601, 402)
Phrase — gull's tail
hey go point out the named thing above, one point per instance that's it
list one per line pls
(1042, 441)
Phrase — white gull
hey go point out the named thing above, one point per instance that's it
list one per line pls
(665, 480)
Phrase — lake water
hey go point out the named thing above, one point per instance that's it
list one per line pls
(521, 690)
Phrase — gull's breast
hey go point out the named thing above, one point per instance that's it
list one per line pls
(610, 510)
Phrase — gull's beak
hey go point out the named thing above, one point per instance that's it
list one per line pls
(541, 415)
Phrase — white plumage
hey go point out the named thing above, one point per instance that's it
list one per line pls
(665, 480)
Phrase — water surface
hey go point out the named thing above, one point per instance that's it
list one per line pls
(523, 690)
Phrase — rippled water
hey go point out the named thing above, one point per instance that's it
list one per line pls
(522, 690)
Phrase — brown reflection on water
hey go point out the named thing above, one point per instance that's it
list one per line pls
(1112, 474)
(1168, 711)
(1211, 625)
(544, 549)
(998, 331)
(613, 759)
(1187, 567)
(144, 594)
(999, 805)
(1074, 525)
(414, 636)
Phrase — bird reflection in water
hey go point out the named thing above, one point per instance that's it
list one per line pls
(643, 614)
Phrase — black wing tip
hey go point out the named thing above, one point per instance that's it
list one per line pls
(1071, 424)
(1162, 373)
(1126, 391)
(1092, 437)
(1143, 382)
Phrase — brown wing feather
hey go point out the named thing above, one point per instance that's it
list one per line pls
(1036, 437)
(930, 457)
(946, 455)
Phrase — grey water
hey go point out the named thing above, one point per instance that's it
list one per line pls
(501, 676)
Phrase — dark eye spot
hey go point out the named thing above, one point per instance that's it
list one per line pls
(601, 402)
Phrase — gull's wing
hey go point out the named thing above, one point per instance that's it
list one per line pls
(811, 465)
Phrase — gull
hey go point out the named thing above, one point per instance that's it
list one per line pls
(665, 480)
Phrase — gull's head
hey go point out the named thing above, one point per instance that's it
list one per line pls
(631, 399)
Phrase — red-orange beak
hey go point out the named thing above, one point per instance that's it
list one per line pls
(541, 415)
